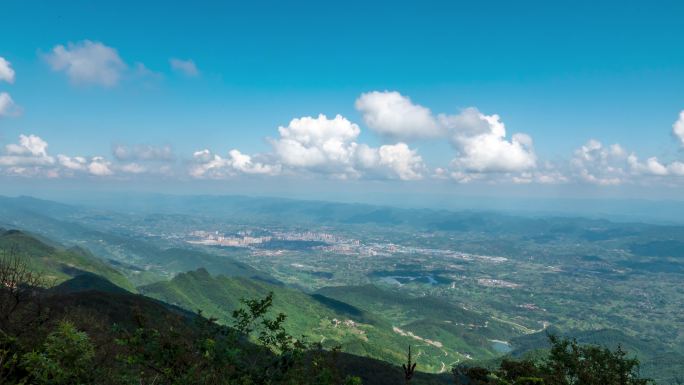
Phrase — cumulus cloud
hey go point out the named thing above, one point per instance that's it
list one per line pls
(27, 158)
(6, 71)
(76, 163)
(87, 62)
(315, 146)
(678, 128)
(72, 165)
(330, 145)
(595, 163)
(142, 152)
(186, 67)
(392, 114)
(7, 105)
(403, 161)
(30, 158)
(479, 140)
(391, 161)
(482, 147)
(30, 151)
(613, 165)
(100, 166)
(654, 167)
(209, 165)
(319, 145)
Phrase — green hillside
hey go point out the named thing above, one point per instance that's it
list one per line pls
(181, 260)
(106, 316)
(58, 264)
(317, 317)
(462, 330)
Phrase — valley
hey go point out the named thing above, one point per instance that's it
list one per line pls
(456, 286)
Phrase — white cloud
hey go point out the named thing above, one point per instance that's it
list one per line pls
(482, 147)
(26, 157)
(209, 165)
(392, 114)
(186, 67)
(652, 166)
(319, 146)
(402, 160)
(88, 62)
(30, 145)
(7, 105)
(96, 165)
(244, 163)
(392, 160)
(594, 163)
(76, 163)
(678, 128)
(143, 152)
(613, 165)
(479, 140)
(330, 146)
(317, 143)
(99, 166)
(30, 158)
(676, 168)
(6, 71)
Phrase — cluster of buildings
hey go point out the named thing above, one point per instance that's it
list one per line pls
(306, 236)
(216, 239)
(490, 282)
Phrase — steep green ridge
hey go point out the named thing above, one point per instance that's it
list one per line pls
(57, 263)
(357, 331)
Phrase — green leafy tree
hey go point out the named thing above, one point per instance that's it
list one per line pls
(567, 363)
(66, 358)
(570, 363)
(256, 349)
(514, 371)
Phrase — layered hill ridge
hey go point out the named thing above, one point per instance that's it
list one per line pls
(96, 295)
(58, 263)
(318, 318)
(353, 317)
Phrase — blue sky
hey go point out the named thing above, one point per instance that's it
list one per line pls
(561, 73)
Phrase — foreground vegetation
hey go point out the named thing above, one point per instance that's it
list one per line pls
(45, 339)
(89, 331)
